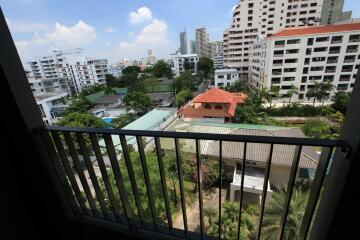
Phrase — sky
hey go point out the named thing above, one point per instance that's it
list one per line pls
(116, 29)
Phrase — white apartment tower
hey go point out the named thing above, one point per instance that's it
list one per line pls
(183, 43)
(80, 72)
(202, 40)
(254, 19)
(301, 56)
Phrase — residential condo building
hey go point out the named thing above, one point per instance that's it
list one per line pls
(181, 63)
(192, 47)
(183, 43)
(301, 56)
(226, 77)
(202, 41)
(80, 72)
(332, 12)
(253, 19)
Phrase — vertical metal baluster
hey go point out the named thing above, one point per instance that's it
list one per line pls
(163, 183)
(242, 188)
(315, 191)
(118, 177)
(290, 189)
(181, 184)
(147, 180)
(220, 174)
(105, 176)
(90, 168)
(69, 172)
(59, 170)
(132, 178)
(84, 183)
(199, 179)
(263, 198)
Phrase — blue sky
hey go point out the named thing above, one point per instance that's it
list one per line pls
(115, 29)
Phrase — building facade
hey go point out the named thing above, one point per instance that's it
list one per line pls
(300, 56)
(192, 47)
(79, 71)
(183, 43)
(52, 106)
(226, 77)
(181, 63)
(253, 19)
(332, 12)
(202, 40)
(151, 58)
(216, 53)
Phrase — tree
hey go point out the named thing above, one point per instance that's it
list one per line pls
(78, 104)
(183, 97)
(150, 83)
(162, 69)
(109, 91)
(238, 86)
(185, 80)
(131, 70)
(137, 101)
(325, 90)
(111, 81)
(206, 65)
(274, 92)
(128, 79)
(245, 113)
(292, 91)
(92, 89)
(81, 120)
(275, 208)
(211, 214)
(340, 101)
(122, 121)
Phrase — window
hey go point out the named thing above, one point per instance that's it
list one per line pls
(310, 41)
(347, 68)
(305, 70)
(334, 50)
(277, 62)
(307, 61)
(276, 72)
(304, 79)
(293, 41)
(333, 59)
(280, 43)
(287, 79)
(218, 106)
(291, 60)
(292, 51)
(308, 51)
(330, 69)
(207, 106)
(352, 49)
(336, 39)
(328, 78)
(344, 78)
(320, 68)
(350, 58)
(289, 69)
(322, 39)
(275, 80)
(312, 78)
(320, 49)
(278, 52)
(318, 59)
(354, 38)
(342, 86)
(221, 76)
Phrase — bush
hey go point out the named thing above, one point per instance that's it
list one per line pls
(295, 110)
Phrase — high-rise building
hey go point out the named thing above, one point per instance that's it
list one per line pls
(202, 40)
(254, 19)
(332, 12)
(151, 58)
(79, 71)
(300, 57)
(216, 53)
(183, 43)
(192, 47)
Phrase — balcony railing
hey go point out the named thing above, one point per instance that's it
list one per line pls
(74, 152)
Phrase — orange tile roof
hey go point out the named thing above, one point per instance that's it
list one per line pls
(215, 95)
(298, 31)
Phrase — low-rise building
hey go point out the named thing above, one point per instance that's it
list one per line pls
(52, 106)
(226, 77)
(257, 155)
(181, 63)
(304, 55)
(215, 105)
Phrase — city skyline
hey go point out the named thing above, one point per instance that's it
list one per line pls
(39, 27)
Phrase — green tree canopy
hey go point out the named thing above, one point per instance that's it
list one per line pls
(183, 97)
(131, 69)
(78, 104)
(340, 101)
(109, 91)
(122, 121)
(81, 120)
(292, 91)
(111, 81)
(245, 113)
(162, 69)
(206, 65)
(137, 101)
(185, 80)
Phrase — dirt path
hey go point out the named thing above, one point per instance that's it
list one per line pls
(210, 199)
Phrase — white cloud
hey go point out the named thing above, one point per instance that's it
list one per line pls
(152, 36)
(110, 30)
(22, 27)
(62, 36)
(141, 15)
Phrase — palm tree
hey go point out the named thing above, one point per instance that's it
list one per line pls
(293, 90)
(274, 209)
(314, 91)
(274, 92)
(109, 91)
(325, 89)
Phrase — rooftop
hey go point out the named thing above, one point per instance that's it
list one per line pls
(108, 99)
(50, 95)
(94, 97)
(298, 31)
(226, 70)
(282, 155)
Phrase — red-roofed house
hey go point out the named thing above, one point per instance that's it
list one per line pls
(215, 105)
(302, 55)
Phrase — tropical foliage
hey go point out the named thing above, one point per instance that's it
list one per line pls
(81, 120)
(137, 101)
(183, 97)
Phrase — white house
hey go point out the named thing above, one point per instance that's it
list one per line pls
(51, 106)
(226, 77)
(184, 62)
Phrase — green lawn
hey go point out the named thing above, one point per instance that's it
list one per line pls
(160, 88)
